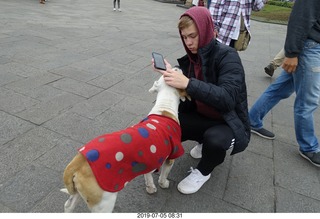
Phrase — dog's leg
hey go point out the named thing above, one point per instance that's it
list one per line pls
(150, 186)
(165, 170)
(71, 203)
(106, 204)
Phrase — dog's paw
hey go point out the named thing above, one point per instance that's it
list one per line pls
(164, 184)
(151, 189)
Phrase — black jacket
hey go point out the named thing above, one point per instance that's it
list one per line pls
(304, 23)
(223, 87)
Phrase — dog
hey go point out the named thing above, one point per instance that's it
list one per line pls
(103, 166)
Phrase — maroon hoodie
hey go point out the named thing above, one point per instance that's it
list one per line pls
(204, 23)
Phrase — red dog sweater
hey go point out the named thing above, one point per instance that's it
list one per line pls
(116, 158)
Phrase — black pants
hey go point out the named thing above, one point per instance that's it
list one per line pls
(216, 137)
(114, 3)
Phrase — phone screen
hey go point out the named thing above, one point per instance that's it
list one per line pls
(158, 61)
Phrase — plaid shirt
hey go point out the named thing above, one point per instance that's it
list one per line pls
(226, 14)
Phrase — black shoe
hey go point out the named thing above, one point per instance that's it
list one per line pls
(312, 157)
(264, 133)
(269, 69)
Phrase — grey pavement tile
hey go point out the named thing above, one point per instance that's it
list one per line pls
(57, 59)
(76, 74)
(109, 79)
(5, 209)
(134, 90)
(115, 120)
(92, 65)
(134, 106)
(49, 109)
(250, 183)
(58, 157)
(200, 202)
(7, 77)
(54, 203)
(11, 127)
(21, 69)
(21, 192)
(118, 57)
(76, 87)
(32, 82)
(13, 102)
(4, 59)
(294, 172)
(134, 197)
(261, 146)
(76, 127)
(98, 104)
(298, 203)
(25, 149)
(149, 77)
(44, 93)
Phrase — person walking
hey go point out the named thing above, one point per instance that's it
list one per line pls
(275, 63)
(227, 16)
(114, 5)
(301, 74)
(217, 115)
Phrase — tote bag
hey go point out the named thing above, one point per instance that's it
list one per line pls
(243, 40)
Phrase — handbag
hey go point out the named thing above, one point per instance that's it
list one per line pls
(243, 40)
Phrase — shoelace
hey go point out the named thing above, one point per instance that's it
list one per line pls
(193, 173)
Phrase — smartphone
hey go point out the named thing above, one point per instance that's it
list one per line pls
(158, 61)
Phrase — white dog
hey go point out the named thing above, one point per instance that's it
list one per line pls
(104, 165)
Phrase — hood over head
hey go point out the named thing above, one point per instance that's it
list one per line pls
(204, 23)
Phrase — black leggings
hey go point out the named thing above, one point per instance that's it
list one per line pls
(114, 3)
(216, 136)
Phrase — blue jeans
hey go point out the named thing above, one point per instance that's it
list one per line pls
(305, 81)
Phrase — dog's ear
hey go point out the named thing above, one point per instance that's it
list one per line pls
(154, 87)
(183, 95)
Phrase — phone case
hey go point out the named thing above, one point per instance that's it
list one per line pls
(158, 61)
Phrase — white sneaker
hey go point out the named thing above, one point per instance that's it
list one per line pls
(196, 152)
(114, 9)
(193, 182)
(119, 9)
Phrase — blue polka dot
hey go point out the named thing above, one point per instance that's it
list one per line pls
(143, 132)
(108, 165)
(145, 119)
(92, 155)
(134, 163)
(161, 160)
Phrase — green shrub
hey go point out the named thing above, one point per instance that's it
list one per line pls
(280, 3)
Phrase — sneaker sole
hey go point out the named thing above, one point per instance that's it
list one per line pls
(308, 159)
(263, 136)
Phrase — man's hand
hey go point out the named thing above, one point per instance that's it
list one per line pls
(290, 64)
(175, 79)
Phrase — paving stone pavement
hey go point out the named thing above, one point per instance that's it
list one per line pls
(72, 70)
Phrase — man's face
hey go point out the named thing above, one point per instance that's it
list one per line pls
(191, 38)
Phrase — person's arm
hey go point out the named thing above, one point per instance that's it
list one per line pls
(302, 18)
(224, 94)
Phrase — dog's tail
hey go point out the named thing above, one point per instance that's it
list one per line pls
(70, 172)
